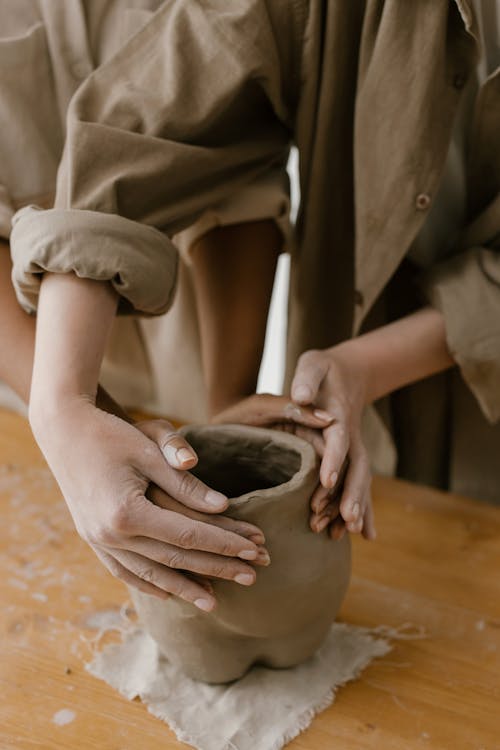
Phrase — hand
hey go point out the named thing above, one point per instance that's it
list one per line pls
(278, 413)
(104, 466)
(180, 455)
(335, 381)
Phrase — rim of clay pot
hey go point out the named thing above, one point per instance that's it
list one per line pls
(308, 457)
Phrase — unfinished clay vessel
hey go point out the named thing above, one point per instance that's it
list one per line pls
(283, 618)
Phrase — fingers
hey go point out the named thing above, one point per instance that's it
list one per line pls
(302, 415)
(349, 505)
(166, 526)
(177, 451)
(243, 528)
(369, 530)
(247, 530)
(337, 444)
(336, 530)
(321, 497)
(324, 517)
(356, 493)
(203, 563)
(311, 369)
(120, 572)
(315, 437)
(140, 570)
(181, 485)
(265, 409)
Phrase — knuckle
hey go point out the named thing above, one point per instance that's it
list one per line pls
(101, 536)
(176, 560)
(219, 570)
(310, 357)
(187, 483)
(226, 549)
(187, 537)
(170, 438)
(164, 424)
(147, 575)
(120, 521)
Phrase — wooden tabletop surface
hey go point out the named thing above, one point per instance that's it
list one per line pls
(435, 565)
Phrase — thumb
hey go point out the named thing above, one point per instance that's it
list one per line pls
(310, 373)
(176, 450)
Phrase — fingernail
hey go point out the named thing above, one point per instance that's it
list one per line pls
(323, 415)
(206, 605)
(355, 511)
(263, 557)
(215, 499)
(302, 393)
(245, 579)
(322, 524)
(170, 453)
(257, 538)
(248, 554)
(184, 454)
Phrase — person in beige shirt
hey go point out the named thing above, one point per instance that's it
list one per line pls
(46, 50)
(369, 93)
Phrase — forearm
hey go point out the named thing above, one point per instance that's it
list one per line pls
(400, 353)
(233, 271)
(73, 324)
(17, 334)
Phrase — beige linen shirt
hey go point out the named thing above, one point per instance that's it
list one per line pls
(208, 97)
(47, 49)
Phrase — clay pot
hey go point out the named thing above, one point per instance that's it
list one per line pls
(283, 618)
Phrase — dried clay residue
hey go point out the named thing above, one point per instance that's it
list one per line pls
(63, 717)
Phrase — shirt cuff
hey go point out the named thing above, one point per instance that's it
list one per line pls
(138, 260)
(466, 289)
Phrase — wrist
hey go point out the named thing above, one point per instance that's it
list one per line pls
(55, 410)
(397, 354)
(73, 323)
(358, 367)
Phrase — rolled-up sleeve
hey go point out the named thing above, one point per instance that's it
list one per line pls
(466, 289)
(187, 112)
(136, 259)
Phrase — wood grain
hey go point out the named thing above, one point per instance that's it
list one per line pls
(435, 566)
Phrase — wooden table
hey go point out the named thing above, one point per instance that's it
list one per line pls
(436, 565)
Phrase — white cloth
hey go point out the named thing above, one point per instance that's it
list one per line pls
(263, 711)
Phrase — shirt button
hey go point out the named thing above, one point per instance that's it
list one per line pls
(358, 298)
(422, 202)
(459, 80)
(81, 69)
